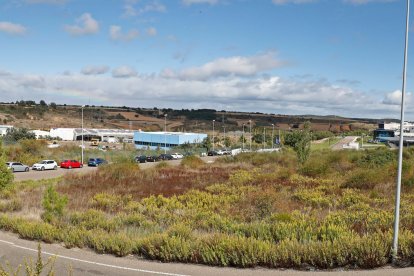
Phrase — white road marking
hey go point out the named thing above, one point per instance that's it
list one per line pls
(94, 263)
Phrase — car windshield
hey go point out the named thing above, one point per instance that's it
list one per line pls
(92, 160)
(43, 162)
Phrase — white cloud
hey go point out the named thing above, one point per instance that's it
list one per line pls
(53, 2)
(231, 66)
(124, 72)
(12, 28)
(283, 2)
(191, 2)
(152, 31)
(115, 33)
(131, 8)
(85, 24)
(264, 94)
(394, 98)
(95, 70)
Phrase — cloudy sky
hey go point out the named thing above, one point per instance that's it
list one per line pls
(341, 57)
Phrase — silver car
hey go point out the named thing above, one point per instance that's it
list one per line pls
(17, 167)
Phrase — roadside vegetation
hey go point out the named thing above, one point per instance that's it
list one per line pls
(328, 210)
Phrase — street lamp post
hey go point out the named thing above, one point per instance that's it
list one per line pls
(165, 133)
(401, 144)
(264, 137)
(213, 134)
(273, 132)
(250, 124)
(82, 134)
(243, 139)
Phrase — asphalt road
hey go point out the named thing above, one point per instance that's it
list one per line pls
(343, 141)
(38, 175)
(85, 262)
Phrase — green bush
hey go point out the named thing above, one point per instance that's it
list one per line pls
(53, 204)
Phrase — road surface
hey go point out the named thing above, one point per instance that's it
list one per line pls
(87, 263)
(343, 141)
(38, 175)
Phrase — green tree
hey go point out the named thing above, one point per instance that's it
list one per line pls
(206, 143)
(6, 176)
(16, 134)
(53, 204)
(300, 141)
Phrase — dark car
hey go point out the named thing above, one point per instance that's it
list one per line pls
(95, 162)
(141, 159)
(165, 157)
(212, 153)
(152, 158)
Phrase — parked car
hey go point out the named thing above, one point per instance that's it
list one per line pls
(177, 156)
(141, 159)
(95, 162)
(212, 153)
(165, 157)
(71, 164)
(17, 167)
(45, 165)
(153, 158)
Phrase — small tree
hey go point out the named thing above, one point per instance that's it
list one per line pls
(6, 176)
(206, 143)
(53, 204)
(16, 134)
(300, 141)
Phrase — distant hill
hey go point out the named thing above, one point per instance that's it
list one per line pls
(45, 116)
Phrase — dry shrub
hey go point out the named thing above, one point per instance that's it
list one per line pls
(192, 162)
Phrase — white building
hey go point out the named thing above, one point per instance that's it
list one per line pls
(3, 129)
(65, 134)
(40, 133)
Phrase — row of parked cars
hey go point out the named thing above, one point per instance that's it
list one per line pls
(156, 158)
(53, 165)
(219, 152)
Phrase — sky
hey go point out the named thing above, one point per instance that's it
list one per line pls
(321, 57)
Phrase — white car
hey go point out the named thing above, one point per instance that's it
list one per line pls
(45, 165)
(177, 155)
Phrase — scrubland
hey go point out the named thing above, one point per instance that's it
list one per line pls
(255, 209)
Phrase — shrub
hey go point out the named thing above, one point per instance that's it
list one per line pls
(53, 204)
(192, 162)
(6, 176)
(364, 179)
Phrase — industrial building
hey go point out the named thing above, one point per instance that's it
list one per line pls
(104, 135)
(165, 140)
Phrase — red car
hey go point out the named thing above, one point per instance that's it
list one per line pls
(70, 164)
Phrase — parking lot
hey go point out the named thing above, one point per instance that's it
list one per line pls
(38, 175)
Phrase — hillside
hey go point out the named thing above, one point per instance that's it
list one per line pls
(37, 116)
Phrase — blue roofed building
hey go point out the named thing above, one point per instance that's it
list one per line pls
(166, 140)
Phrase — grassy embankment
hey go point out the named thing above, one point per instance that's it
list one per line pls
(336, 210)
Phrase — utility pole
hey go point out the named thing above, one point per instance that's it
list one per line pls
(273, 132)
(83, 106)
(243, 139)
(165, 133)
(401, 144)
(264, 137)
(213, 134)
(250, 123)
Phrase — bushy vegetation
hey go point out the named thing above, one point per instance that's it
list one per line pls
(333, 210)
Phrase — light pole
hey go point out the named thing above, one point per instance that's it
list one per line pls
(401, 144)
(213, 135)
(273, 132)
(165, 133)
(224, 136)
(82, 134)
(250, 123)
(243, 139)
(264, 137)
